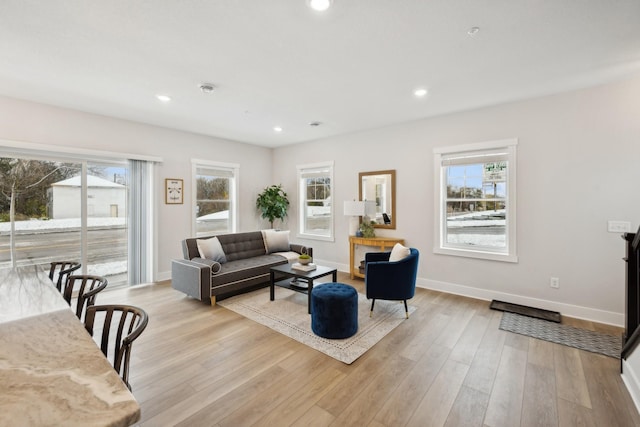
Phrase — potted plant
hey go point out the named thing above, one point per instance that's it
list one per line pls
(304, 259)
(366, 227)
(273, 203)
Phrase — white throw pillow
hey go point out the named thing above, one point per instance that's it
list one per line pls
(276, 241)
(399, 252)
(211, 249)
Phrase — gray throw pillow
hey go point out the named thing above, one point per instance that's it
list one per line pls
(211, 249)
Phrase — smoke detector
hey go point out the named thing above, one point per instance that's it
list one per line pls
(207, 87)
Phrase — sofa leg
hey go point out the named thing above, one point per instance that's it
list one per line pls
(372, 303)
(406, 309)
(213, 301)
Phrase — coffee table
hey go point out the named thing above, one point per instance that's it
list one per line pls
(305, 279)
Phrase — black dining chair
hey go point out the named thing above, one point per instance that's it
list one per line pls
(129, 322)
(60, 270)
(87, 287)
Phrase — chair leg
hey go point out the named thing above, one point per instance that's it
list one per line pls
(406, 309)
(372, 303)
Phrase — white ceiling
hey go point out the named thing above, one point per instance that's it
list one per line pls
(277, 62)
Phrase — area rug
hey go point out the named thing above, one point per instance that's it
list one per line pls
(287, 314)
(595, 342)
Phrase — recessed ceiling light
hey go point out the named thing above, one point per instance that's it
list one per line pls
(320, 5)
(163, 98)
(473, 31)
(207, 87)
(277, 129)
(420, 93)
(315, 124)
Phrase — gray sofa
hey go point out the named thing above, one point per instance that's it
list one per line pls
(246, 268)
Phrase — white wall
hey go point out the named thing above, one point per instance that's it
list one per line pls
(578, 166)
(41, 124)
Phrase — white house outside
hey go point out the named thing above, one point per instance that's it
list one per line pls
(106, 199)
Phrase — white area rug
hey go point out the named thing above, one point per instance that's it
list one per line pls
(288, 315)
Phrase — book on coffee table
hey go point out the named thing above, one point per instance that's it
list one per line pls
(300, 267)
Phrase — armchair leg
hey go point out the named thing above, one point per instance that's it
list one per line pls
(406, 309)
(372, 303)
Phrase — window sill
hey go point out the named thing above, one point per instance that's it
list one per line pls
(315, 237)
(490, 256)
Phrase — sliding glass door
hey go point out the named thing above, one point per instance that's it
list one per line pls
(56, 210)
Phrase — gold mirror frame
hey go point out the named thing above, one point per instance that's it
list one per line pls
(382, 188)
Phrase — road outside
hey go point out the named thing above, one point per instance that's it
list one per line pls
(40, 242)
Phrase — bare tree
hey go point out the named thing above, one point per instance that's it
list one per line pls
(24, 183)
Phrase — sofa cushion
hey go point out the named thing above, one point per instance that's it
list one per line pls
(289, 255)
(276, 241)
(242, 245)
(242, 269)
(211, 249)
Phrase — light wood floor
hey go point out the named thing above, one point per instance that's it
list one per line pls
(448, 365)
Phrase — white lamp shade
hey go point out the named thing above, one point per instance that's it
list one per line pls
(354, 208)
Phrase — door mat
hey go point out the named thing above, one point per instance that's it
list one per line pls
(551, 316)
(583, 339)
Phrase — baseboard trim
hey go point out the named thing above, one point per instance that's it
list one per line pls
(579, 312)
(586, 313)
(162, 276)
(630, 380)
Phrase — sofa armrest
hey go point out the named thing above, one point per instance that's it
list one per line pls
(301, 249)
(191, 277)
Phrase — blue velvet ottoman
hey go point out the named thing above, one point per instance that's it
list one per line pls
(334, 310)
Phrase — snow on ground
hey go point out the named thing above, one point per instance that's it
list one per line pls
(38, 225)
(55, 224)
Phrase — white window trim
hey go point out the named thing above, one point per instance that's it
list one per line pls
(194, 190)
(510, 254)
(301, 198)
(72, 153)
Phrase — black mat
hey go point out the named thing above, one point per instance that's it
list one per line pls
(595, 342)
(538, 313)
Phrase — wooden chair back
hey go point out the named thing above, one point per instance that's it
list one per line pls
(60, 270)
(87, 288)
(128, 323)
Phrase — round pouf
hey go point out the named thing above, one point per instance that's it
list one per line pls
(334, 310)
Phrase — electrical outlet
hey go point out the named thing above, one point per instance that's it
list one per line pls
(618, 226)
(554, 282)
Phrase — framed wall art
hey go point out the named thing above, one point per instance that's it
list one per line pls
(173, 191)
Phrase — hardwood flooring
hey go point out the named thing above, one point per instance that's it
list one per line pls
(448, 365)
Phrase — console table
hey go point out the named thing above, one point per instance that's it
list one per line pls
(380, 242)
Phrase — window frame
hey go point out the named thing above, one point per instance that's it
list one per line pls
(509, 254)
(234, 168)
(302, 199)
(84, 157)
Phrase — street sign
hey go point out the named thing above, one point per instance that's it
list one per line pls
(494, 172)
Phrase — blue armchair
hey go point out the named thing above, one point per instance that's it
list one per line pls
(395, 281)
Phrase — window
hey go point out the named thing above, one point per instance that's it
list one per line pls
(68, 207)
(475, 200)
(316, 212)
(215, 208)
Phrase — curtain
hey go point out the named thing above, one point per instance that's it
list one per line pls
(140, 222)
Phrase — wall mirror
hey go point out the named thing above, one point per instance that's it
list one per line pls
(380, 187)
